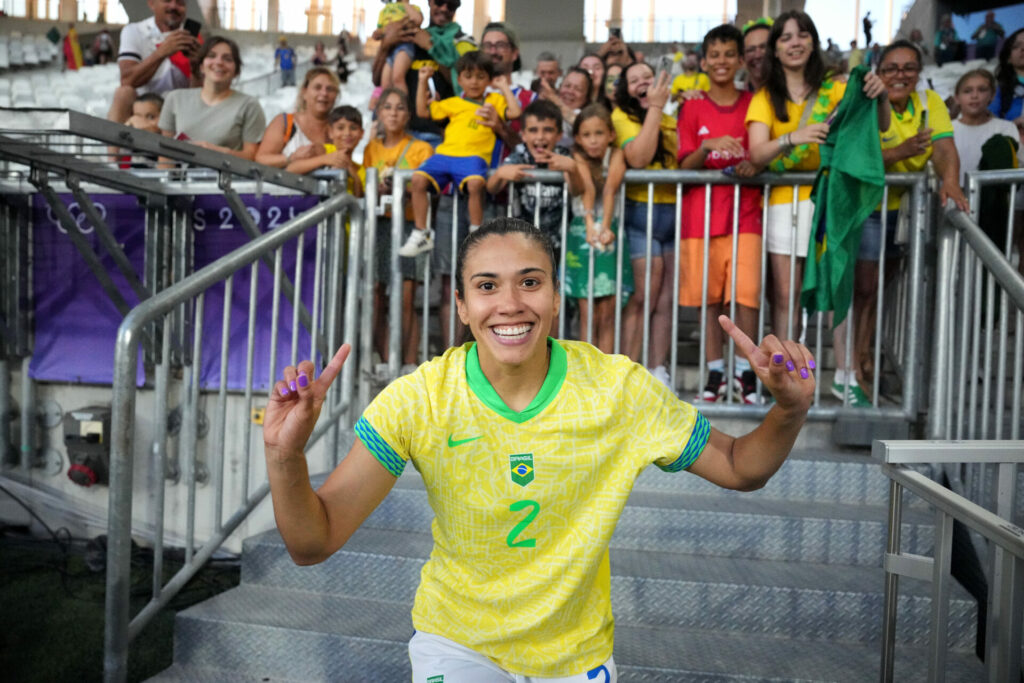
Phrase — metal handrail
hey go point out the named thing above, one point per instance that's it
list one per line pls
(1006, 561)
(119, 628)
(1006, 275)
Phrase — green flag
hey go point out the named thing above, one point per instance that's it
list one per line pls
(848, 187)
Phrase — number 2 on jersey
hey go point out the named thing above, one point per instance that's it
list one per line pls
(521, 526)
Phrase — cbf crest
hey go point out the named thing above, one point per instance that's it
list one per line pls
(521, 466)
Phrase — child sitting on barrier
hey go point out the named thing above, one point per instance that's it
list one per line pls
(601, 167)
(463, 156)
(394, 150)
(400, 58)
(542, 127)
(713, 135)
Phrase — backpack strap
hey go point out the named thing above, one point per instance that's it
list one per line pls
(289, 126)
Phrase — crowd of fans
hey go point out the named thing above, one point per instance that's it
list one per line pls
(746, 100)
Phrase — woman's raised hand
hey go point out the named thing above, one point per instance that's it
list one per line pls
(786, 368)
(657, 95)
(873, 85)
(295, 405)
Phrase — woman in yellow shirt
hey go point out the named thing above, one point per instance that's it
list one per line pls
(648, 138)
(786, 121)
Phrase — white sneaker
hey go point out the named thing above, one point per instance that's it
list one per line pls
(418, 242)
(473, 228)
(661, 374)
(408, 369)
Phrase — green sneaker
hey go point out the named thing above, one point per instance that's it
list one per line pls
(856, 398)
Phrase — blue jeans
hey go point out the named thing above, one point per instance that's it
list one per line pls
(663, 238)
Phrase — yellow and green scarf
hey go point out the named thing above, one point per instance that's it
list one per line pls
(819, 112)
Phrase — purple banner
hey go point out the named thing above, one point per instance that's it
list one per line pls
(217, 232)
(75, 320)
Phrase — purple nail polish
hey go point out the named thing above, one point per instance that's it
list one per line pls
(804, 373)
(811, 364)
(284, 391)
(777, 358)
(303, 381)
(790, 366)
(292, 385)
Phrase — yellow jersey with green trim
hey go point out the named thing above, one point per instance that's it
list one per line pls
(626, 130)
(525, 503)
(761, 110)
(904, 126)
(466, 135)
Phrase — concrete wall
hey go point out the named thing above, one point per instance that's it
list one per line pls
(546, 25)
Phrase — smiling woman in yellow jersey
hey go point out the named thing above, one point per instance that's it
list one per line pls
(528, 448)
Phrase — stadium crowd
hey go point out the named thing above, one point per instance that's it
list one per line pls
(751, 99)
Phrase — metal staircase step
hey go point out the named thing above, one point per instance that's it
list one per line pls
(796, 600)
(263, 632)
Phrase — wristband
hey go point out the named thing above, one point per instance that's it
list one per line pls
(785, 142)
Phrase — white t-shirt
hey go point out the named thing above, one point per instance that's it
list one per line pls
(138, 41)
(969, 140)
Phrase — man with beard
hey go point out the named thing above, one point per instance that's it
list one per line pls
(755, 44)
(438, 46)
(500, 43)
(155, 56)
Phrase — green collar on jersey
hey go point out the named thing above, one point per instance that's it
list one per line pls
(481, 386)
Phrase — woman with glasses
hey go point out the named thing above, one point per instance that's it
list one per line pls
(919, 129)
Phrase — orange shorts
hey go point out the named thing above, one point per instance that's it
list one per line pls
(748, 271)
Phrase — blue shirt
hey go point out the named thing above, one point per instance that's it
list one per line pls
(286, 55)
(1016, 105)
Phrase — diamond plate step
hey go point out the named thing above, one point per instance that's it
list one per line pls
(720, 525)
(297, 635)
(794, 600)
(178, 673)
(807, 475)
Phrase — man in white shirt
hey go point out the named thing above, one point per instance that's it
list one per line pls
(154, 56)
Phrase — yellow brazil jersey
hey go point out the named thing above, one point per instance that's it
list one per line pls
(761, 110)
(525, 503)
(392, 12)
(465, 135)
(695, 81)
(906, 125)
(626, 129)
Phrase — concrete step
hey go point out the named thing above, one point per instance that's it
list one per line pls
(794, 600)
(295, 635)
(720, 525)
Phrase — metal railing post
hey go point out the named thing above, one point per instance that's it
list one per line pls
(892, 582)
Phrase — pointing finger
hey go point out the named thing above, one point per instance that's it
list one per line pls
(333, 367)
(746, 346)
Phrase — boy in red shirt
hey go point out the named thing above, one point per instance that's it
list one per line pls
(713, 135)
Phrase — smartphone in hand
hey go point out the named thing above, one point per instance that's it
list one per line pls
(193, 27)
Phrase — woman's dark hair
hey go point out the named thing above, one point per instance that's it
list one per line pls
(213, 42)
(586, 74)
(631, 106)
(901, 44)
(814, 70)
(1006, 75)
(503, 226)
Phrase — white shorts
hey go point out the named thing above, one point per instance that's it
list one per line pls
(436, 659)
(779, 231)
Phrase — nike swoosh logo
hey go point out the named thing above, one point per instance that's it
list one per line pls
(452, 443)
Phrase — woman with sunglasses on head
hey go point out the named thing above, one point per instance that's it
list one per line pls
(786, 121)
(528, 448)
(919, 130)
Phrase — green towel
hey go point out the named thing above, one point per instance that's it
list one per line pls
(443, 37)
(848, 187)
